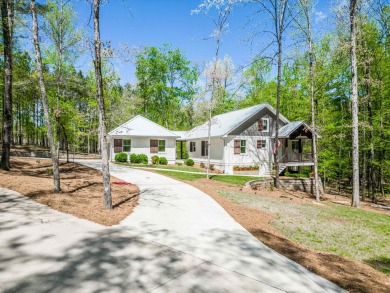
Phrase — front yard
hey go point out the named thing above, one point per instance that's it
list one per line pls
(347, 232)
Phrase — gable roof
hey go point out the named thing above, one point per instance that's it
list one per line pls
(141, 126)
(223, 124)
(288, 129)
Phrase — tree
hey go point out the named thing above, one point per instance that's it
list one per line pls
(224, 8)
(281, 16)
(355, 106)
(100, 98)
(166, 83)
(306, 8)
(42, 86)
(62, 52)
(7, 17)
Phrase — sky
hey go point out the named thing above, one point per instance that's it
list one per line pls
(157, 22)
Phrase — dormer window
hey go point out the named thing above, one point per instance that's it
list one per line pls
(263, 124)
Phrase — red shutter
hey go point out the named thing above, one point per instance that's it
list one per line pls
(260, 124)
(259, 144)
(237, 146)
(153, 146)
(117, 145)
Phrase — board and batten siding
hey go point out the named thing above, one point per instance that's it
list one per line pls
(141, 145)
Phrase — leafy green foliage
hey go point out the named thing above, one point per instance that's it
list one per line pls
(189, 162)
(121, 157)
(142, 158)
(163, 161)
(134, 158)
(155, 160)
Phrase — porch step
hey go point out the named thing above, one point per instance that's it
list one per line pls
(282, 167)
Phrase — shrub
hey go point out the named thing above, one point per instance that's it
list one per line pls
(155, 160)
(163, 161)
(212, 167)
(189, 162)
(202, 165)
(180, 164)
(121, 157)
(134, 158)
(142, 158)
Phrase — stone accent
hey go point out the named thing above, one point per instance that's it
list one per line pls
(294, 184)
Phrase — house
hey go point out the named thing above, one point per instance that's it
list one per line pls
(246, 138)
(142, 136)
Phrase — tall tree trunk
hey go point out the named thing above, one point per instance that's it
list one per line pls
(100, 97)
(7, 17)
(312, 100)
(53, 151)
(279, 80)
(367, 73)
(355, 107)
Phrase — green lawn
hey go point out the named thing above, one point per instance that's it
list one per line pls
(353, 233)
(238, 180)
(170, 167)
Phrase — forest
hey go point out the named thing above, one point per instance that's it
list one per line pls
(313, 80)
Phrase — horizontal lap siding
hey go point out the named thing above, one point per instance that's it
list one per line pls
(141, 145)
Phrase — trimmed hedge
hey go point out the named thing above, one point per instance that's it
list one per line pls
(134, 158)
(142, 158)
(189, 162)
(155, 160)
(163, 161)
(121, 157)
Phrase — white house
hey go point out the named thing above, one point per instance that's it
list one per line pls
(239, 138)
(142, 136)
(246, 138)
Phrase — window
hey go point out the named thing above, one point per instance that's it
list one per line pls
(153, 146)
(161, 145)
(261, 144)
(239, 146)
(117, 145)
(126, 145)
(262, 124)
(192, 146)
(243, 147)
(205, 149)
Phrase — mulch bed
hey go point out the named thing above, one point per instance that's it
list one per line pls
(82, 189)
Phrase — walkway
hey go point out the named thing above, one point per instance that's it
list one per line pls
(181, 217)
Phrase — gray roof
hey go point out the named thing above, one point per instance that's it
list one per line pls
(141, 126)
(288, 129)
(223, 124)
(180, 134)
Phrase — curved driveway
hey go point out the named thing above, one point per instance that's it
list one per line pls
(183, 218)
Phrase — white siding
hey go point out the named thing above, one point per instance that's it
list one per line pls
(141, 145)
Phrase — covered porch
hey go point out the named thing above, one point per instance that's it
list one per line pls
(295, 146)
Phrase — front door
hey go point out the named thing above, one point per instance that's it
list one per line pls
(294, 153)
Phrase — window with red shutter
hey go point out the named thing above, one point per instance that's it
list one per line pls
(153, 146)
(260, 125)
(117, 145)
(237, 146)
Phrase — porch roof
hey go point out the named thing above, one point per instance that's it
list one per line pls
(288, 129)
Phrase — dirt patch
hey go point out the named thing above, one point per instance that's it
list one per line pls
(351, 275)
(82, 189)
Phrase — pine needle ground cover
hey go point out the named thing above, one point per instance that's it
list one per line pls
(345, 231)
(82, 189)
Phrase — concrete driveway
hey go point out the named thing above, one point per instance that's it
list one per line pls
(177, 240)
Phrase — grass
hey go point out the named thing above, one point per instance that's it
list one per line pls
(232, 179)
(170, 167)
(348, 232)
